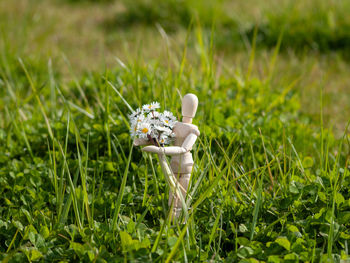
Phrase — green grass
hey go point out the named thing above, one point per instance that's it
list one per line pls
(74, 189)
(271, 180)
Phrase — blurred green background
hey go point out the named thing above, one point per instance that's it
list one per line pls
(92, 35)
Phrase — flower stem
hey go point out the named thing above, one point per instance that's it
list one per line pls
(173, 184)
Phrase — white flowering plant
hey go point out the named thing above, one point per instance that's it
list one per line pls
(147, 123)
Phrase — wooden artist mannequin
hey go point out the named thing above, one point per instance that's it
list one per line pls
(181, 162)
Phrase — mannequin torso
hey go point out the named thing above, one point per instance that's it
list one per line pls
(183, 163)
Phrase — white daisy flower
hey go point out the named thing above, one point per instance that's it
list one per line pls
(169, 115)
(155, 135)
(132, 122)
(133, 130)
(167, 122)
(164, 130)
(139, 119)
(146, 107)
(136, 120)
(163, 139)
(153, 115)
(147, 122)
(155, 105)
(135, 113)
(144, 129)
(151, 107)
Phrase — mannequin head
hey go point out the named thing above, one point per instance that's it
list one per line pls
(189, 107)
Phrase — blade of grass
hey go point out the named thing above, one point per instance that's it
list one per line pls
(83, 175)
(106, 122)
(71, 184)
(32, 85)
(213, 231)
(275, 54)
(120, 95)
(60, 189)
(257, 206)
(121, 192)
(266, 159)
(252, 53)
(77, 84)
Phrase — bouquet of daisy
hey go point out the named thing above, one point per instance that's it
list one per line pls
(157, 128)
(147, 123)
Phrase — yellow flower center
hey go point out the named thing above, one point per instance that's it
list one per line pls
(144, 130)
(166, 121)
(150, 106)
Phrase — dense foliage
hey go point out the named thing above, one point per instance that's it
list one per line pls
(265, 186)
(270, 184)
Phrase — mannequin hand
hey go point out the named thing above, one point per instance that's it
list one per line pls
(139, 142)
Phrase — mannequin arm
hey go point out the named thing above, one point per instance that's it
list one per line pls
(174, 150)
(171, 150)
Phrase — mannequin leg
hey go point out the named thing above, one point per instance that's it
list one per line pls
(183, 180)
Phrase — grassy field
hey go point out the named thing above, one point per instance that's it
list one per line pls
(271, 181)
